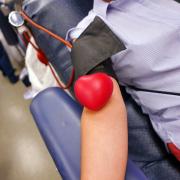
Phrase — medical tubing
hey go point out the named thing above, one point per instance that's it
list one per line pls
(28, 39)
(52, 70)
(67, 43)
(25, 36)
(22, 39)
(58, 82)
(28, 19)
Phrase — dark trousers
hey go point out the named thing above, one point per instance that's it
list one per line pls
(7, 30)
(145, 147)
(5, 64)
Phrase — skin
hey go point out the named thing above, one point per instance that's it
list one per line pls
(104, 139)
(104, 144)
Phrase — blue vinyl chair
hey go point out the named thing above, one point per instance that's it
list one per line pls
(57, 116)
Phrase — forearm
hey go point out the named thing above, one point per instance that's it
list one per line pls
(104, 140)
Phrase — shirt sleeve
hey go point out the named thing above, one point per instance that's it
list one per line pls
(75, 32)
(99, 7)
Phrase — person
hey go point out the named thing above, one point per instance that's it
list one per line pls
(7, 30)
(6, 67)
(142, 67)
(145, 147)
(11, 38)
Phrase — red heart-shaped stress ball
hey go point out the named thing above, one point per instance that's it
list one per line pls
(42, 57)
(93, 91)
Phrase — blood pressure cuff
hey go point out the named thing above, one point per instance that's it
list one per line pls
(92, 51)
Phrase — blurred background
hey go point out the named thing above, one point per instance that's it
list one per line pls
(23, 155)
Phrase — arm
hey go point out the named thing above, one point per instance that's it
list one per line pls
(104, 132)
(104, 140)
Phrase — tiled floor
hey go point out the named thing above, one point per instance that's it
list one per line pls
(23, 155)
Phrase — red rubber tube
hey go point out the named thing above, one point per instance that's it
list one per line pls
(67, 43)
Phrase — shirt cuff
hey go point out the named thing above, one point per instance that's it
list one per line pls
(100, 7)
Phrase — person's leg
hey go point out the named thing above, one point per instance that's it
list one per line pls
(6, 66)
(146, 149)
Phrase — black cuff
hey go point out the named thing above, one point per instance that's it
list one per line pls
(92, 51)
